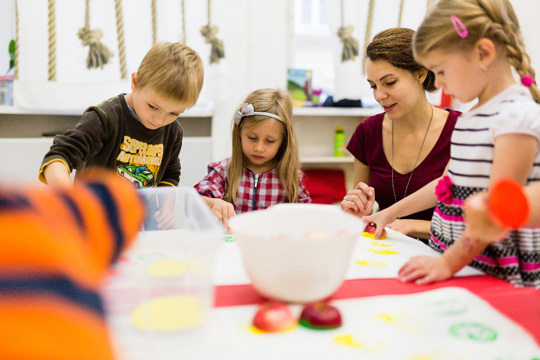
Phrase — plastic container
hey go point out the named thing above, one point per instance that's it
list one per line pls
(160, 294)
(339, 142)
(6, 90)
(296, 252)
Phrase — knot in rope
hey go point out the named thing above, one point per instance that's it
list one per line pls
(98, 53)
(88, 36)
(217, 51)
(350, 44)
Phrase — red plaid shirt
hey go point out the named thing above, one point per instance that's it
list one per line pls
(256, 192)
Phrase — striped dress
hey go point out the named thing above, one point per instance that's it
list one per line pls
(516, 259)
(55, 249)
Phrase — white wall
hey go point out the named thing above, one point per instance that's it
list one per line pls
(256, 34)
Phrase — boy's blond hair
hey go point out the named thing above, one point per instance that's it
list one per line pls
(287, 161)
(173, 70)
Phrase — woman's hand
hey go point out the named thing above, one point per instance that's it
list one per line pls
(359, 201)
(425, 270)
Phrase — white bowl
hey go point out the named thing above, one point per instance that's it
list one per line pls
(296, 252)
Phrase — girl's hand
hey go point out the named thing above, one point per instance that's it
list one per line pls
(425, 270)
(479, 222)
(380, 219)
(223, 210)
(359, 201)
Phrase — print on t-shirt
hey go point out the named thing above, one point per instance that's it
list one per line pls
(139, 161)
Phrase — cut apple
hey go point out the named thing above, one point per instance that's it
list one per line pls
(369, 231)
(273, 316)
(321, 316)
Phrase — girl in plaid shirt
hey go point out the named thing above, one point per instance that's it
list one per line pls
(264, 168)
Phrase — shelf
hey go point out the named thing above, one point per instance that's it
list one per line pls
(326, 159)
(199, 110)
(335, 111)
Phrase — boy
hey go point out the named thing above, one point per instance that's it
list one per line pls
(136, 134)
(55, 249)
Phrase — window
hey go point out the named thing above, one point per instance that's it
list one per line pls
(311, 47)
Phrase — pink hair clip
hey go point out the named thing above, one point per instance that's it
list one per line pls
(460, 28)
(527, 81)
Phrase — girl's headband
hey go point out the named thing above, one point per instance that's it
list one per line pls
(247, 110)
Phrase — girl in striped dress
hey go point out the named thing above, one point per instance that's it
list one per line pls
(472, 46)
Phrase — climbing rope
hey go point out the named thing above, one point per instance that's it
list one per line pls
(154, 22)
(120, 34)
(16, 41)
(400, 13)
(350, 44)
(52, 41)
(183, 23)
(369, 26)
(98, 53)
(217, 51)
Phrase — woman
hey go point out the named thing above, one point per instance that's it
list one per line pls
(399, 151)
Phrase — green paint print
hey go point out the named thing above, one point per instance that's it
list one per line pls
(449, 307)
(473, 331)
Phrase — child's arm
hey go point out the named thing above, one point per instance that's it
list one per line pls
(480, 223)
(57, 175)
(424, 269)
(221, 208)
(359, 201)
(412, 227)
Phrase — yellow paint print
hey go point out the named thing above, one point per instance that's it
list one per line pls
(437, 355)
(383, 252)
(404, 322)
(348, 340)
(171, 313)
(371, 263)
(169, 267)
(383, 243)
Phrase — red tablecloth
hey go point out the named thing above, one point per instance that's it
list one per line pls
(522, 305)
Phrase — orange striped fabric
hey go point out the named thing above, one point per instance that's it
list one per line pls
(55, 249)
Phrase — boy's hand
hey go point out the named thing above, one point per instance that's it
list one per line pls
(425, 270)
(359, 201)
(57, 175)
(165, 219)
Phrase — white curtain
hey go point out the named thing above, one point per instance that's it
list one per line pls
(77, 87)
(350, 79)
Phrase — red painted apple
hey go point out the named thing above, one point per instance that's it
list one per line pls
(273, 316)
(320, 315)
(369, 231)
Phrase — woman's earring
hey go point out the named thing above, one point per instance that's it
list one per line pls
(483, 67)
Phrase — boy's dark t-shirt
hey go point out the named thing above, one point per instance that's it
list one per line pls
(109, 135)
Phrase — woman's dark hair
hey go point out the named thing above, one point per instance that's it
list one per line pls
(395, 46)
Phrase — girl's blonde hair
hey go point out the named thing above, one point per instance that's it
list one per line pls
(287, 162)
(492, 19)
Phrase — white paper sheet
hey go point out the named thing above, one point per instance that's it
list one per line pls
(443, 324)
